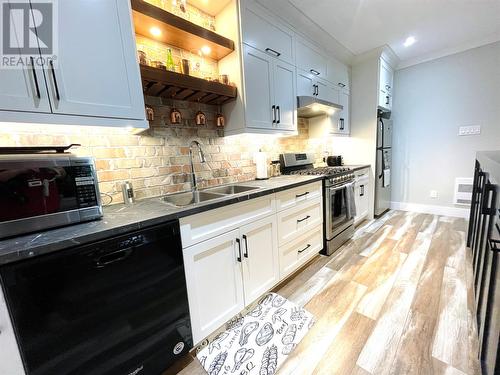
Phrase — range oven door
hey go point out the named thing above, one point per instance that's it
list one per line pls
(337, 215)
(115, 307)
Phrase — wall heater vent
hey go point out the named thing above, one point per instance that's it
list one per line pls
(463, 191)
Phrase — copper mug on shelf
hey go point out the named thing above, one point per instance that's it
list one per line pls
(175, 116)
(200, 118)
(150, 113)
(220, 120)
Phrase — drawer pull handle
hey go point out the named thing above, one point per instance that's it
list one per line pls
(315, 72)
(305, 248)
(301, 195)
(300, 220)
(275, 53)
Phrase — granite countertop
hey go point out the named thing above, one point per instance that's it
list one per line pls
(120, 219)
(490, 162)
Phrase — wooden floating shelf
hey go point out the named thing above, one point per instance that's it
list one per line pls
(177, 31)
(166, 84)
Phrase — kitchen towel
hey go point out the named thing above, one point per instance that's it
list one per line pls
(350, 201)
(260, 341)
(387, 178)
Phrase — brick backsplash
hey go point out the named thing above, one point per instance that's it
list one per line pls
(157, 161)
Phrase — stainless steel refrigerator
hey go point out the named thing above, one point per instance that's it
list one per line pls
(384, 161)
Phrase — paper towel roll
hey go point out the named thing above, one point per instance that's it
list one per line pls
(260, 159)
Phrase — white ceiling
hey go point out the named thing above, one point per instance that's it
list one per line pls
(441, 27)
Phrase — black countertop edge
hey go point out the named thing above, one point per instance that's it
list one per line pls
(121, 219)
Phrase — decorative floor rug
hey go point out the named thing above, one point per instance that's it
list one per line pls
(260, 341)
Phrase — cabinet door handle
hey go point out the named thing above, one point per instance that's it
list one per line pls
(274, 113)
(387, 100)
(301, 220)
(305, 248)
(239, 250)
(341, 124)
(32, 60)
(301, 195)
(341, 84)
(387, 87)
(317, 90)
(51, 63)
(276, 53)
(279, 114)
(315, 72)
(245, 254)
(362, 193)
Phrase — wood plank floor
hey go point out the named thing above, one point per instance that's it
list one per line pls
(396, 299)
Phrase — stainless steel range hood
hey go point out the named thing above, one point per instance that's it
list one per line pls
(309, 106)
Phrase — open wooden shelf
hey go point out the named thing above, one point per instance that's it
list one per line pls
(177, 31)
(166, 84)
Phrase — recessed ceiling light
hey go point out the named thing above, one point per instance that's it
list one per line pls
(409, 41)
(206, 50)
(155, 31)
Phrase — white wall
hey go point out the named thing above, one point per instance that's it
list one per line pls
(431, 100)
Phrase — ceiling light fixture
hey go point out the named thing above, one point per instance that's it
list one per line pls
(155, 31)
(409, 41)
(206, 50)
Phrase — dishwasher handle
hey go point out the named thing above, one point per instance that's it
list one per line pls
(113, 257)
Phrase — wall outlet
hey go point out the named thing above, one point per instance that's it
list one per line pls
(433, 194)
(469, 130)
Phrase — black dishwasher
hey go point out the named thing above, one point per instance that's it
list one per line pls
(118, 306)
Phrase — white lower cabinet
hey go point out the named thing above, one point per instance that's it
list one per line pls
(226, 273)
(260, 257)
(232, 254)
(361, 198)
(214, 283)
(296, 253)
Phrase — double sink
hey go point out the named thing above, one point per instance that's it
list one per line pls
(193, 197)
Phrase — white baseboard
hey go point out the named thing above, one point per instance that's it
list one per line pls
(431, 209)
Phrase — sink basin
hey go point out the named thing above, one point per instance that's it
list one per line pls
(232, 189)
(187, 198)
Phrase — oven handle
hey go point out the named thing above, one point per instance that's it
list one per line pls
(113, 257)
(343, 186)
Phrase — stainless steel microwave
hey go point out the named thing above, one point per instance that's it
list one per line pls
(41, 191)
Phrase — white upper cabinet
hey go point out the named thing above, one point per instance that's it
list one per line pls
(270, 92)
(306, 85)
(266, 34)
(386, 76)
(95, 78)
(259, 89)
(96, 73)
(309, 59)
(285, 96)
(343, 125)
(326, 91)
(23, 88)
(338, 74)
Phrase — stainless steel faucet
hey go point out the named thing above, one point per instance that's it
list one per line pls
(194, 186)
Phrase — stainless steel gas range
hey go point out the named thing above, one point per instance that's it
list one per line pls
(338, 197)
